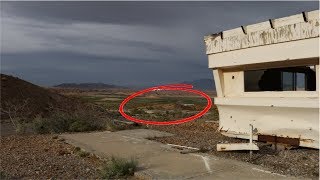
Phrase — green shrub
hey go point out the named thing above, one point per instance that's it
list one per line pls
(59, 122)
(77, 149)
(150, 108)
(83, 153)
(118, 168)
(136, 111)
(81, 125)
(21, 127)
(203, 149)
(62, 122)
(2, 175)
(115, 126)
(41, 125)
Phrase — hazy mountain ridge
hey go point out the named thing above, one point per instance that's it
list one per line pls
(87, 85)
(201, 84)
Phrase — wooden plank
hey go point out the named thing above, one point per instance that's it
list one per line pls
(186, 147)
(237, 147)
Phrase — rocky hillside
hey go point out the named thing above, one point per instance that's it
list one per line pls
(21, 98)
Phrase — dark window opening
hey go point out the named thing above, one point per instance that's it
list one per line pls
(281, 79)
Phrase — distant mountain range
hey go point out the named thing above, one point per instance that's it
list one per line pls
(87, 86)
(202, 84)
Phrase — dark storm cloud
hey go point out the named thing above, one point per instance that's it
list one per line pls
(119, 42)
(135, 43)
(153, 13)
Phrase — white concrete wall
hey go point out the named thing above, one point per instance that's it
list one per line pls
(293, 41)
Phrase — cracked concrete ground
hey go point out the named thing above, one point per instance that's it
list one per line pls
(160, 161)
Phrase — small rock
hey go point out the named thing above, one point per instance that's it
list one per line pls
(62, 152)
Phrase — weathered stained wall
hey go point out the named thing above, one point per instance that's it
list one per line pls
(301, 26)
(284, 42)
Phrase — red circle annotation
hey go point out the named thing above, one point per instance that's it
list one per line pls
(169, 87)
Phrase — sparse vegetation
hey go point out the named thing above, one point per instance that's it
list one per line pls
(80, 111)
(21, 127)
(3, 176)
(14, 111)
(203, 149)
(91, 98)
(83, 154)
(76, 149)
(64, 122)
(80, 152)
(137, 111)
(113, 127)
(26, 107)
(118, 168)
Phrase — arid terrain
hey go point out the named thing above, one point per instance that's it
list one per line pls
(45, 156)
(32, 117)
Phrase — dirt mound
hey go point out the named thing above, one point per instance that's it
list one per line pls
(21, 98)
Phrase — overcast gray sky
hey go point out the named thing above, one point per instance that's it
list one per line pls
(123, 43)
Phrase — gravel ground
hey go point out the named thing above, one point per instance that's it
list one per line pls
(44, 157)
(300, 162)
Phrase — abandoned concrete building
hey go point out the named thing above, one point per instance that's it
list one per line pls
(267, 77)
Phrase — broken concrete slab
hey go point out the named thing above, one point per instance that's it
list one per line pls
(160, 161)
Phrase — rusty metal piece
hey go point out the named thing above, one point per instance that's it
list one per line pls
(283, 140)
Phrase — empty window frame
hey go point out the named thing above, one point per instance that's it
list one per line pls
(302, 78)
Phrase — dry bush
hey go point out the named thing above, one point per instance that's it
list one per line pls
(118, 168)
(14, 111)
